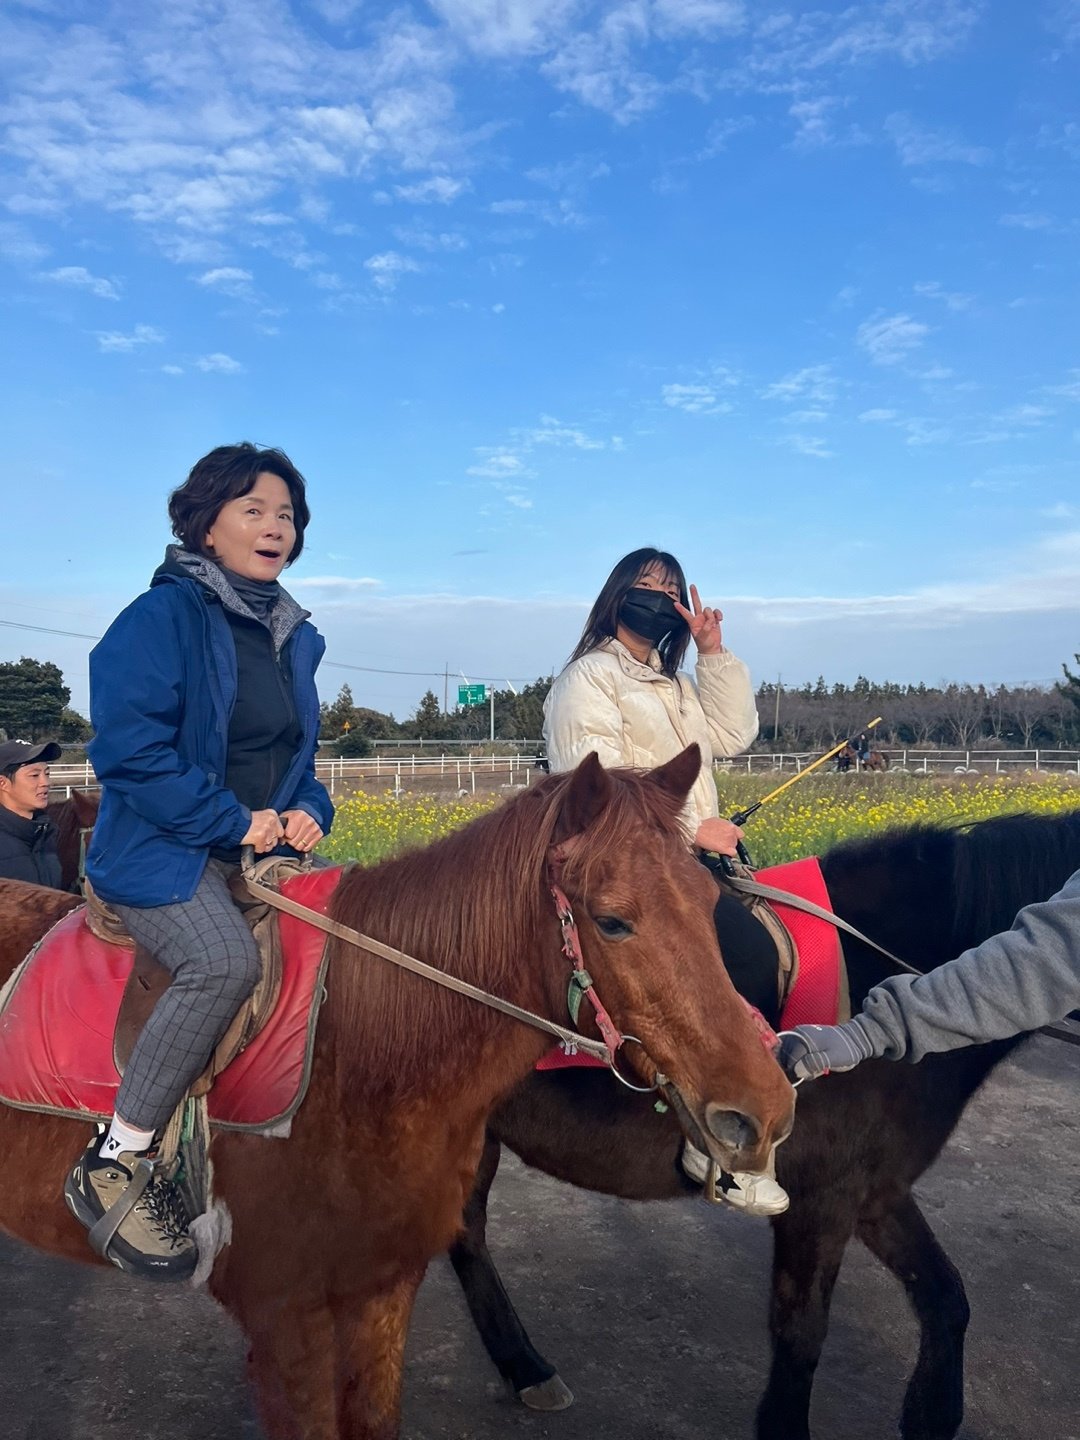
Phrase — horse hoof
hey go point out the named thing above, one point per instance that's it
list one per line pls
(548, 1395)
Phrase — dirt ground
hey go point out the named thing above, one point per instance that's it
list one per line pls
(655, 1314)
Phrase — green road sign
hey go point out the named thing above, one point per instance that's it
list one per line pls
(471, 694)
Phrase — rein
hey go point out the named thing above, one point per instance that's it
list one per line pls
(796, 902)
(580, 982)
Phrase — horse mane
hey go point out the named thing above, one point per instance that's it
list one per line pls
(929, 892)
(475, 904)
(1002, 865)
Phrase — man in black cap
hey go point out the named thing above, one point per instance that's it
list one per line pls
(27, 835)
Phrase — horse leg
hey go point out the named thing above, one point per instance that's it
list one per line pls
(291, 1365)
(808, 1246)
(904, 1243)
(529, 1375)
(370, 1346)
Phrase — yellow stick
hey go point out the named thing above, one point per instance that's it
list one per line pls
(781, 788)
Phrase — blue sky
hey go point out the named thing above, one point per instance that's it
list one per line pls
(788, 289)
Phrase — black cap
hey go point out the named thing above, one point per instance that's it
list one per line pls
(25, 752)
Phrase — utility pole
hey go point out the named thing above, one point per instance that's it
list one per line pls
(776, 719)
(491, 697)
(446, 689)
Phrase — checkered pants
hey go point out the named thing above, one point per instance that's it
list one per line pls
(207, 947)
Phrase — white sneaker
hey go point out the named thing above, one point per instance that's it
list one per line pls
(752, 1194)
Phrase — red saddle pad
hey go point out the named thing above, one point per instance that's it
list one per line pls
(59, 1015)
(815, 997)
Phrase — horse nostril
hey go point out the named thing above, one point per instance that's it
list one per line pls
(732, 1128)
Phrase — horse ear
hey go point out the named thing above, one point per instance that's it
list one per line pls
(588, 792)
(85, 806)
(677, 776)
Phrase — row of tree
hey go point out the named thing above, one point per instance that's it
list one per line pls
(34, 704)
(810, 717)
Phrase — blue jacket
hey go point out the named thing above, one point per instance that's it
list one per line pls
(162, 688)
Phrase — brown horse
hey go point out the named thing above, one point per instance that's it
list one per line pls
(74, 818)
(849, 756)
(333, 1227)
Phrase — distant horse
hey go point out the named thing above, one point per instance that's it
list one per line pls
(333, 1227)
(74, 818)
(861, 1141)
(873, 760)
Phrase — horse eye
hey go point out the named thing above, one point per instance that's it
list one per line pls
(612, 927)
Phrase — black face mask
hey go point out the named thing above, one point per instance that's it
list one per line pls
(650, 614)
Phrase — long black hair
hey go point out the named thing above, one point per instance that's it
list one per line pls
(603, 618)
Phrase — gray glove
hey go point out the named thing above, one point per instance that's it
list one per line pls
(810, 1051)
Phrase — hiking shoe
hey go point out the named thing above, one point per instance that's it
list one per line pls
(151, 1237)
(752, 1194)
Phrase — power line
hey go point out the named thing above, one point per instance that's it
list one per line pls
(335, 664)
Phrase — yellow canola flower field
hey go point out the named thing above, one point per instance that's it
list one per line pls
(808, 819)
(822, 810)
(368, 828)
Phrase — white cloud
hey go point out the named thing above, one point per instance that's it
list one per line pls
(1027, 220)
(115, 341)
(816, 383)
(438, 190)
(229, 279)
(951, 299)
(82, 279)
(387, 268)
(889, 339)
(431, 240)
(553, 432)
(877, 416)
(1070, 390)
(219, 364)
(499, 463)
(696, 399)
(344, 583)
(18, 245)
(812, 445)
(917, 145)
(706, 18)
(172, 369)
(507, 28)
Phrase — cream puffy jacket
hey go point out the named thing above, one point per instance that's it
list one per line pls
(632, 714)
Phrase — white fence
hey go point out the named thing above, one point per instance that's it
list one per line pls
(926, 762)
(399, 771)
(515, 771)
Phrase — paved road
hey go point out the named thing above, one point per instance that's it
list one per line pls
(654, 1313)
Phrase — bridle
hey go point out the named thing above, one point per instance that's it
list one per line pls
(581, 983)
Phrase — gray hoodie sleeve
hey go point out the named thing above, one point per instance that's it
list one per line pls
(1014, 982)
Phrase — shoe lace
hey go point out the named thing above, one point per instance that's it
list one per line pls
(163, 1205)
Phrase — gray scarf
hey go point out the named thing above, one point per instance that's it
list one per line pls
(262, 600)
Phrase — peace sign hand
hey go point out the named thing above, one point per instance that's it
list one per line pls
(704, 624)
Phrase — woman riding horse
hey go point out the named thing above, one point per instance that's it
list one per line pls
(202, 695)
(621, 696)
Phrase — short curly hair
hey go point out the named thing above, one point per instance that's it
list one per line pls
(225, 474)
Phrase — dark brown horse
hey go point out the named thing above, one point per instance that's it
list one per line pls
(333, 1227)
(74, 818)
(861, 1141)
(873, 759)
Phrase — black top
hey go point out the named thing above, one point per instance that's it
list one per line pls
(28, 849)
(264, 732)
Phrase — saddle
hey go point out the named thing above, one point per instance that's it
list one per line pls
(71, 1012)
(149, 980)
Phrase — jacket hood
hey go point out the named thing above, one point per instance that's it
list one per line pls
(181, 564)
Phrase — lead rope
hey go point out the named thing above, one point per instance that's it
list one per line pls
(569, 1038)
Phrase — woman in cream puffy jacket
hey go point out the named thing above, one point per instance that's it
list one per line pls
(622, 693)
(623, 696)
